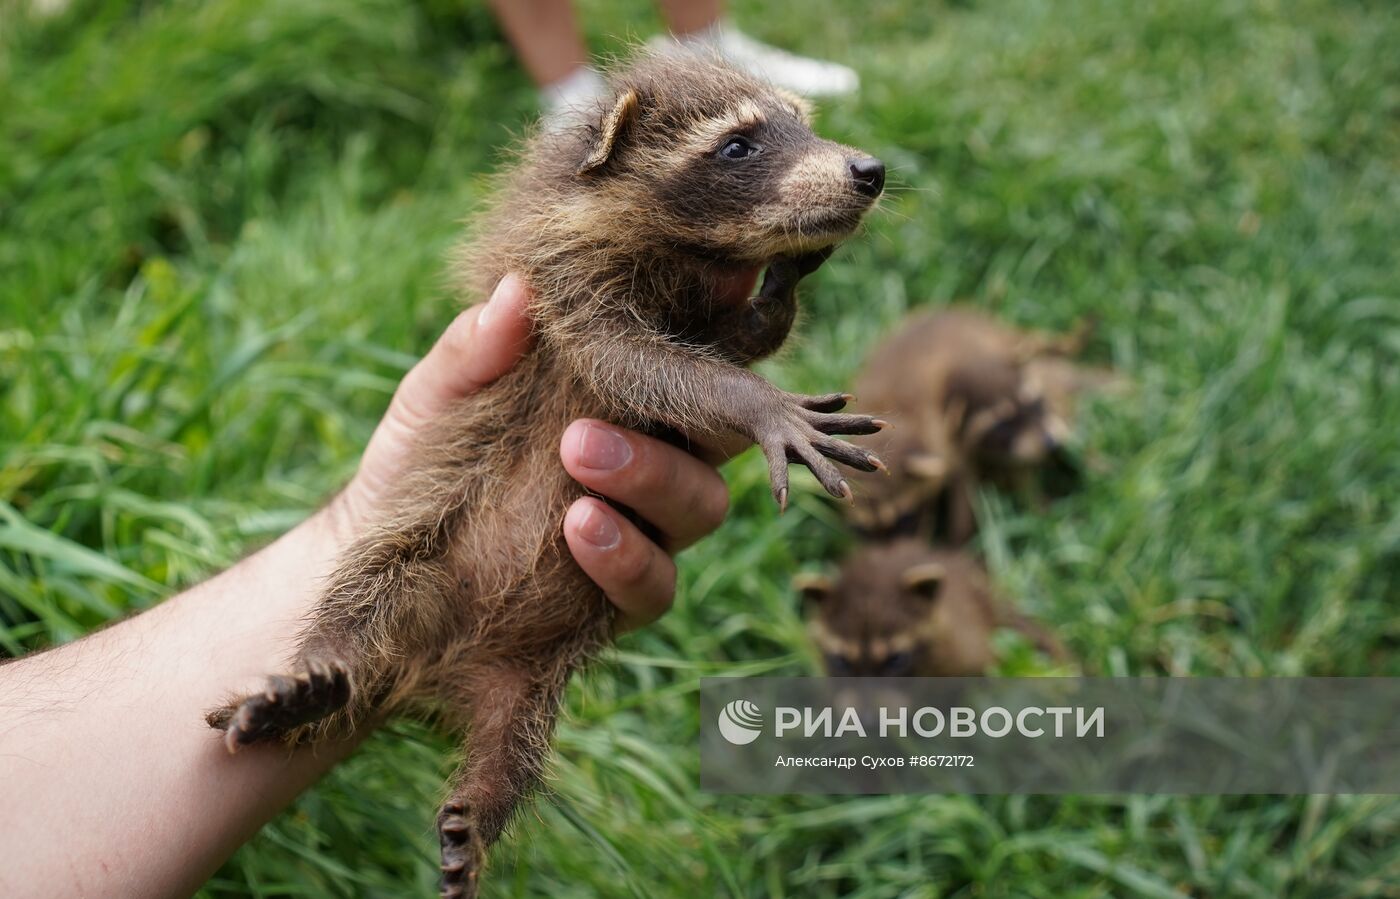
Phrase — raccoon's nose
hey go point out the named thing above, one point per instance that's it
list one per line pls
(868, 173)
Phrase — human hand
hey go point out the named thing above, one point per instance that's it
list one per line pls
(681, 496)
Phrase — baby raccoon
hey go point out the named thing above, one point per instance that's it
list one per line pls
(904, 609)
(971, 399)
(643, 235)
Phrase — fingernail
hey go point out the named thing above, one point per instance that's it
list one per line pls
(602, 449)
(509, 286)
(487, 310)
(599, 529)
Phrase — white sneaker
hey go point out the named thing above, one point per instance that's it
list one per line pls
(48, 9)
(809, 77)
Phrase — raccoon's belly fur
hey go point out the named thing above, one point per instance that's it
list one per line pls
(493, 490)
(463, 599)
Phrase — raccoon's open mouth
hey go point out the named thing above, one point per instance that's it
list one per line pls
(782, 274)
(780, 277)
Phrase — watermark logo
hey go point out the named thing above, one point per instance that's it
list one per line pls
(740, 722)
(1176, 735)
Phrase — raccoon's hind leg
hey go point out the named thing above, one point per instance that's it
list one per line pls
(388, 599)
(513, 713)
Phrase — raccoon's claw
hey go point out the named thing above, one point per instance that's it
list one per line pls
(827, 402)
(287, 702)
(801, 434)
(828, 475)
(828, 423)
(848, 454)
(462, 852)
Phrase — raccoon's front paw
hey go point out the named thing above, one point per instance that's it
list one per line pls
(796, 428)
(288, 701)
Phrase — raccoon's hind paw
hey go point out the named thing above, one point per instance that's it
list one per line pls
(286, 703)
(800, 430)
(462, 851)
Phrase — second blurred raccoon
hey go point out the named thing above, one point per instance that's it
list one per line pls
(901, 608)
(971, 400)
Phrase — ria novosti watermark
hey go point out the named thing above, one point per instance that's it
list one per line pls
(1051, 735)
(927, 721)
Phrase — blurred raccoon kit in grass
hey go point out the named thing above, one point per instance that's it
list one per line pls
(971, 401)
(906, 608)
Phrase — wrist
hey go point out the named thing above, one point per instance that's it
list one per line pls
(338, 523)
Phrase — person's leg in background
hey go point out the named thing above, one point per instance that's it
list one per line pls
(702, 23)
(689, 18)
(546, 36)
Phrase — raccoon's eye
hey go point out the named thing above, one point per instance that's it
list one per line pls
(837, 665)
(898, 664)
(1002, 433)
(737, 148)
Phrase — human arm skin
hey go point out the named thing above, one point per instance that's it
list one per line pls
(112, 785)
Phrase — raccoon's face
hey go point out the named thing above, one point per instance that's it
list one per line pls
(881, 616)
(728, 166)
(771, 187)
(1001, 416)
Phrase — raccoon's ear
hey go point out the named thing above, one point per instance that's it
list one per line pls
(813, 588)
(622, 114)
(924, 580)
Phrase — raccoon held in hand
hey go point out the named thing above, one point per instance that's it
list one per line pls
(642, 234)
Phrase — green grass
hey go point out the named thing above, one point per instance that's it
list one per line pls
(221, 235)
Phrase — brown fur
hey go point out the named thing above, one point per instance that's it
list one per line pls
(904, 609)
(642, 245)
(971, 400)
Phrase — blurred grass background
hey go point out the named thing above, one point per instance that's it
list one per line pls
(222, 226)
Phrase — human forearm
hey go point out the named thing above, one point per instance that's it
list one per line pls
(120, 715)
